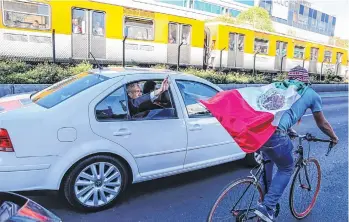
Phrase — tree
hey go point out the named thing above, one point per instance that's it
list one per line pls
(257, 17)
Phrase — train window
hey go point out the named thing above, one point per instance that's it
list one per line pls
(314, 53)
(28, 15)
(328, 56)
(232, 42)
(281, 48)
(339, 57)
(298, 52)
(241, 43)
(172, 33)
(186, 34)
(261, 45)
(79, 21)
(141, 29)
(98, 26)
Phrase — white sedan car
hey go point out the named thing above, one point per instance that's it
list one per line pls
(78, 136)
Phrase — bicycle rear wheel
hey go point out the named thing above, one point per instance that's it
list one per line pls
(308, 179)
(241, 206)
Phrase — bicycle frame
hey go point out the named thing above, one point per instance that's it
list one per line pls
(300, 162)
(262, 172)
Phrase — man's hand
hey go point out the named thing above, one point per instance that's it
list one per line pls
(292, 133)
(164, 87)
(335, 140)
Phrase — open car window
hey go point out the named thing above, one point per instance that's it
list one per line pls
(162, 108)
(117, 105)
(66, 89)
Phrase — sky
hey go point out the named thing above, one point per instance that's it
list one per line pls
(338, 8)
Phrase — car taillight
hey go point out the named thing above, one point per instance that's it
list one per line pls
(5, 142)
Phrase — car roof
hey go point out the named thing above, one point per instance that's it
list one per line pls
(117, 71)
(113, 72)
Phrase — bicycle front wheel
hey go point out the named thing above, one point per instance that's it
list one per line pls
(237, 202)
(305, 188)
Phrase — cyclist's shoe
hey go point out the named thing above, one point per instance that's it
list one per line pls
(264, 213)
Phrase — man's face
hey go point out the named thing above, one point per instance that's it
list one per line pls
(135, 92)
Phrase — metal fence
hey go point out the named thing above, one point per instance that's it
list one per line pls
(75, 48)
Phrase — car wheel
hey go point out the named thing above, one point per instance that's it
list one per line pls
(253, 159)
(95, 183)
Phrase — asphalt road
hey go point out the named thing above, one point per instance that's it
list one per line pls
(189, 196)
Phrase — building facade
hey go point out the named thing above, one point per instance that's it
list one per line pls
(297, 18)
(214, 7)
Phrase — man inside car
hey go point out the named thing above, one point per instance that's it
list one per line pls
(137, 102)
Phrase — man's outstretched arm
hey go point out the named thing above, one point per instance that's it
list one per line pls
(325, 126)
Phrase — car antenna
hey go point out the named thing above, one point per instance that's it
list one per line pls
(99, 66)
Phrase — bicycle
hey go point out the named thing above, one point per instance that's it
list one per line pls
(301, 169)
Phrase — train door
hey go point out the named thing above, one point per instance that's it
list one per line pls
(206, 47)
(88, 34)
(338, 63)
(178, 34)
(236, 50)
(281, 51)
(313, 60)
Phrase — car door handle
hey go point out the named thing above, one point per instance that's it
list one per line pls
(195, 127)
(122, 132)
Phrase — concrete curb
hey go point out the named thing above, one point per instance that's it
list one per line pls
(8, 89)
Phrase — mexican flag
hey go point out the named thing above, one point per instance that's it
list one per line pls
(251, 115)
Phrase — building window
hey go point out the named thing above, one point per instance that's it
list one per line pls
(334, 21)
(261, 46)
(246, 2)
(328, 56)
(28, 15)
(174, 2)
(299, 52)
(141, 29)
(266, 4)
(234, 12)
(301, 9)
(207, 7)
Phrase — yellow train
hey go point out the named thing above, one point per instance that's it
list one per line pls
(154, 33)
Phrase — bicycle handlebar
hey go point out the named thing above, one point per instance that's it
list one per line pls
(312, 138)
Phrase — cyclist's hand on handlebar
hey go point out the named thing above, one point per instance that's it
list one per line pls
(335, 141)
(292, 133)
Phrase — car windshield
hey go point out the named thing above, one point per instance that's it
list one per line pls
(66, 88)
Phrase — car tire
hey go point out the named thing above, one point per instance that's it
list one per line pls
(252, 159)
(81, 182)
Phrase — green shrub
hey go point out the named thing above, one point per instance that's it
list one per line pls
(13, 66)
(17, 72)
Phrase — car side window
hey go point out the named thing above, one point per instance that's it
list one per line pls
(113, 107)
(192, 92)
(140, 105)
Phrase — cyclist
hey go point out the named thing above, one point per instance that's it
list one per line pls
(279, 147)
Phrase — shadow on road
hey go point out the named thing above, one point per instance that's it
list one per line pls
(53, 201)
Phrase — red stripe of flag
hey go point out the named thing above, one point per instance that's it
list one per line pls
(249, 128)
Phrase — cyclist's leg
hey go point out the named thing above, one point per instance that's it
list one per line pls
(268, 173)
(280, 152)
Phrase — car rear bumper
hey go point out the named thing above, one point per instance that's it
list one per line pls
(22, 180)
(21, 174)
